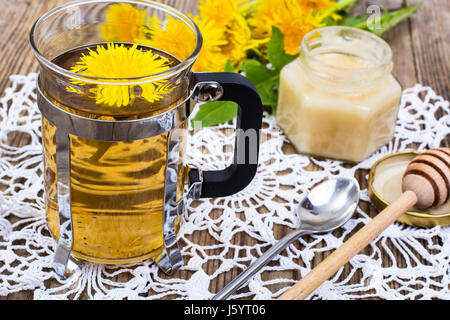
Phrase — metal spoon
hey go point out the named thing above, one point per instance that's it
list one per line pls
(328, 206)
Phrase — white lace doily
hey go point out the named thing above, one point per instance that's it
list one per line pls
(26, 249)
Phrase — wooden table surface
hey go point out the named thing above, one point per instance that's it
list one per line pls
(420, 48)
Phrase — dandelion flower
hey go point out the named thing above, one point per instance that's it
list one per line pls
(229, 16)
(114, 62)
(211, 57)
(172, 36)
(223, 12)
(123, 23)
(294, 18)
(240, 41)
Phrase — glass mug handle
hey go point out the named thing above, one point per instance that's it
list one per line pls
(236, 88)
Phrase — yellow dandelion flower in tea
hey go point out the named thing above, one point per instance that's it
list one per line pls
(116, 61)
(294, 18)
(123, 23)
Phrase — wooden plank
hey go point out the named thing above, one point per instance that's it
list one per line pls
(431, 44)
(399, 39)
(15, 22)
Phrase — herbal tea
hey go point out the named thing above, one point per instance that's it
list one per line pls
(117, 188)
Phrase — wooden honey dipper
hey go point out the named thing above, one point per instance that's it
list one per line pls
(425, 184)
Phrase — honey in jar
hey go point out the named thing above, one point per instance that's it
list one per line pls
(338, 99)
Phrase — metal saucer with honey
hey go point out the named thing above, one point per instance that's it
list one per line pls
(385, 180)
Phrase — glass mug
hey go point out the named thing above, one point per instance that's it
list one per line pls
(116, 89)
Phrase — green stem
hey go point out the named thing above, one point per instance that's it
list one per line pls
(391, 19)
(342, 4)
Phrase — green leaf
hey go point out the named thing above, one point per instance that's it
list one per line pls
(329, 21)
(391, 19)
(214, 113)
(265, 80)
(229, 67)
(277, 57)
(353, 21)
(387, 21)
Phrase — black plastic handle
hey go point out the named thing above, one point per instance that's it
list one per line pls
(241, 172)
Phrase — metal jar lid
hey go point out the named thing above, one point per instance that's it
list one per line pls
(385, 186)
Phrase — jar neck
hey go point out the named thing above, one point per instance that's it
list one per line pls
(345, 60)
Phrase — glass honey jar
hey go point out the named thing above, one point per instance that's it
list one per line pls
(338, 99)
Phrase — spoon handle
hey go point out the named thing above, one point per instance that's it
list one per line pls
(328, 267)
(240, 280)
